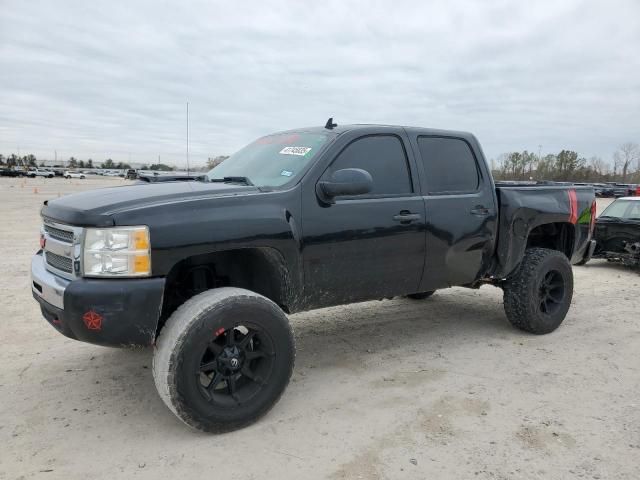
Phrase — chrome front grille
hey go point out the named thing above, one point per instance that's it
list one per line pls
(59, 234)
(64, 264)
(62, 248)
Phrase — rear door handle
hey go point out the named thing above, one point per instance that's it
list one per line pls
(405, 216)
(480, 211)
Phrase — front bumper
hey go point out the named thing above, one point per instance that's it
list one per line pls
(110, 312)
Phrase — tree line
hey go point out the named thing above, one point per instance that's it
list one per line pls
(565, 166)
(213, 162)
(568, 166)
(30, 160)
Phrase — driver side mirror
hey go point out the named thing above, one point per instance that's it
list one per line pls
(348, 181)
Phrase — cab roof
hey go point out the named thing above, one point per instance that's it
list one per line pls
(372, 127)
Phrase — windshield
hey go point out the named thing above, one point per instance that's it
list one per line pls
(273, 160)
(625, 209)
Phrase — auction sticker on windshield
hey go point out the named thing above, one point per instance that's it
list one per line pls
(300, 151)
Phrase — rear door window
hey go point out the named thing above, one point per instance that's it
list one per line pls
(449, 165)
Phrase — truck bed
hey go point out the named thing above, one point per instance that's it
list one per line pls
(525, 206)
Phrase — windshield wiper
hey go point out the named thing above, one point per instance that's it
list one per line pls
(609, 217)
(242, 180)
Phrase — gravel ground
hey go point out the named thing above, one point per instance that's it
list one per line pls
(442, 388)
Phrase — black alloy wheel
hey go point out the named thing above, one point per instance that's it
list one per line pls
(235, 365)
(223, 359)
(551, 291)
(537, 295)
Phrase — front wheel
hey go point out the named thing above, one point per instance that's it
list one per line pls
(223, 359)
(538, 295)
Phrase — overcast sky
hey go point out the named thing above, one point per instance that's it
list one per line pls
(111, 79)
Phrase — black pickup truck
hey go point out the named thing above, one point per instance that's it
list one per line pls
(206, 271)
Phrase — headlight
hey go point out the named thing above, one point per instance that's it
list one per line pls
(117, 252)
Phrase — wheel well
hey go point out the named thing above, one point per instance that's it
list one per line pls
(555, 236)
(261, 270)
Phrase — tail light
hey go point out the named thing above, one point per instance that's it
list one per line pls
(592, 222)
(573, 206)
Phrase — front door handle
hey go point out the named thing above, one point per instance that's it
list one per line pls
(405, 217)
(480, 211)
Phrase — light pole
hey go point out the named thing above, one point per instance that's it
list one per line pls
(187, 138)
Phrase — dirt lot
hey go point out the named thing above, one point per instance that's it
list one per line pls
(442, 388)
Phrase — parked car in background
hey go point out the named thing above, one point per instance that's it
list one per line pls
(132, 174)
(622, 189)
(40, 172)
(633, 189)
(10, 172)
(603, 190)
(617, 232)
(68, 174)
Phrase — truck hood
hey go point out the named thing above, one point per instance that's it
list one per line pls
(97, 207)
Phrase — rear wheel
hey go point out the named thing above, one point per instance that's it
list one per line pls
(538, 295)
(223, 359)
